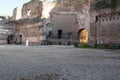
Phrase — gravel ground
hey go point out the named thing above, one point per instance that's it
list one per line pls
(58, 63)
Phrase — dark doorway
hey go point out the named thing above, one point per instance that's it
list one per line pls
(10, 39)
(20, 39)
(59, 34)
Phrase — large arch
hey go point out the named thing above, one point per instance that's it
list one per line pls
(83, 36)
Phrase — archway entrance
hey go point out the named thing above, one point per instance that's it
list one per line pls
(83, 36)
(12, 39)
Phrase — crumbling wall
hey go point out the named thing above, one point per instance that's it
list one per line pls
(79, 10)
(32, 9)
(31, 32)
(5, 30)
(105, 25)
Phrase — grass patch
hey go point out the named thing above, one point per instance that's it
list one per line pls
(108, 47)
(98, 46)
(84, 46)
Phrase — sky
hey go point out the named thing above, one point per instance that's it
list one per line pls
(7, 6)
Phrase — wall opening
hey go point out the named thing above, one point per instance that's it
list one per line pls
(59, 34)
(83, 36)
(28, 12)
(10, 39)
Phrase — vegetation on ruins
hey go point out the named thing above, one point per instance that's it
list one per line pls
(105, 46)
(58, 1)
(106, 4)
(113, 4)
(32, 20)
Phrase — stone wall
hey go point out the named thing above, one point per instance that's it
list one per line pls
(5, 30)
(71, 16)
(29, 27)
(67, 23)
(32, 9)
(106, 29)
(105, 25)
(31, 32)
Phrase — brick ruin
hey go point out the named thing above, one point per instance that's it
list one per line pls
(70, 21)
(105, 23)
(30, 25)
(93, 23)
(5, 30)
(32, 9)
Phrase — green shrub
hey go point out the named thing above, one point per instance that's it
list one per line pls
(113, 4)
(98, 46)
(104, 4)
(84, 46)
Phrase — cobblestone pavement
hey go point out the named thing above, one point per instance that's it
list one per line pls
(58, 63)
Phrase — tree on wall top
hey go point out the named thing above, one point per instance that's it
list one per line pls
(100, 4)
(113, 4)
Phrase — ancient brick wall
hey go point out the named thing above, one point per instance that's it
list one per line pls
(105, 23)
(107, 28)
(74, 17)
(67, 23)
(31, 32)
(5, 30)
(32, 9)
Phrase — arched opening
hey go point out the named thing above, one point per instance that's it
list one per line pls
(15, 38)
(28, 12)
(83, 36)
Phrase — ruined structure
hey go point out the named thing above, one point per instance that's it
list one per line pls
(30, 25)
(64, 28)
(105, 22)
(89, 21)
(67, 22)
(32, 9)
(70, 22)
(6, 30)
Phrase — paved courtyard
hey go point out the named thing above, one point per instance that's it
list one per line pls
(58, 63)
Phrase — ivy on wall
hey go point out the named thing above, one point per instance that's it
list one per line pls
(113, 4)
(57, 1)
(104, 4)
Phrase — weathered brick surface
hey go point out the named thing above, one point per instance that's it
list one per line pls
(35, 8)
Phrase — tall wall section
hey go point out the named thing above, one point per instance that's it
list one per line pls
(32, 9)
(105, 23)
(72, 16)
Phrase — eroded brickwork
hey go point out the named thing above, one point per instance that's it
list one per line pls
(5, 30)
(71, 17)
(30, 26)
(105, 25)
(32, 9)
